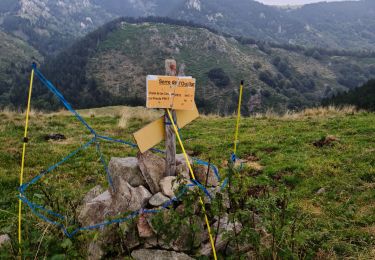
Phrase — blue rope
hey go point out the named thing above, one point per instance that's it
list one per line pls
(35, 207)
(233, 157)
(38, 177)
(117, 141)
(213, 167)
(195, 182)
(109, 178)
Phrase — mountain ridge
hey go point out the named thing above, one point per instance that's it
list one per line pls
(49, 25)
(115, 60)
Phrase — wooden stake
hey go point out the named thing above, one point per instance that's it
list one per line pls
(170, 137)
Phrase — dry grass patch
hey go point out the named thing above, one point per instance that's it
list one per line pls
(308, 206)
(323, 112)
(320, 112)
(9, 113)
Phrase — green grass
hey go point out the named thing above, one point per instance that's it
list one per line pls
(340, 222)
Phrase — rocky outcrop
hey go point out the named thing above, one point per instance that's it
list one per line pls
(139, 183)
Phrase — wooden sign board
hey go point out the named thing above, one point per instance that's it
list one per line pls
(154, 133)
(170, 92)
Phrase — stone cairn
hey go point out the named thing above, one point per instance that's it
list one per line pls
(140, 183)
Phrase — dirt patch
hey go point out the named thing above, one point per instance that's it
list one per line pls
(257, 191)
(269, 150)
(326, 141)
(251, 158)
(54, 137)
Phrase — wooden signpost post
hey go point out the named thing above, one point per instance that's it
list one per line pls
(170, 137)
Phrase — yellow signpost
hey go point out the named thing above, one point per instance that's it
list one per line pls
(170, 92)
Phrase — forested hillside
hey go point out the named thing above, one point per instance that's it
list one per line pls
(362, 97)
(109, 67)
(50, 26)
(282, 75)
(15, 59)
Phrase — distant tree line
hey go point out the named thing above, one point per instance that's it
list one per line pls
(362, 97)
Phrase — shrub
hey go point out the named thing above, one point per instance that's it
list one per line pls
(219, 77)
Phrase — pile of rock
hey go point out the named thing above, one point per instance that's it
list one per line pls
(140, 183)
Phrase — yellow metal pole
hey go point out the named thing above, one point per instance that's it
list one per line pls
(193, 177)
(23, 159)
(238, 119)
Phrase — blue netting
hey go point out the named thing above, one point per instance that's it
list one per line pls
(48, 215)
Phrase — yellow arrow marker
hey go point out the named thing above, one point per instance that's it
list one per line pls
(154, 133)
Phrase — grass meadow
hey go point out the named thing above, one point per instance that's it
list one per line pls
(332, 186)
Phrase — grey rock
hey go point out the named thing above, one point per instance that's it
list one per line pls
(95, 251)
(128, 198)
(92, 194)
(153, 169)
(182, 167)
(148, 254)
(183, 171)
(151, 242)
(129, 235)
(96, 210)
(158, 199)
(126, 169)
(224, 226)
(4, 241)
(144, 229)
(168, 185)
(201, 175)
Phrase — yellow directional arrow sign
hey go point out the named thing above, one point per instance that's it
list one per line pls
(154, 133)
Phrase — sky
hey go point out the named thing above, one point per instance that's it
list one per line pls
(293, 2)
